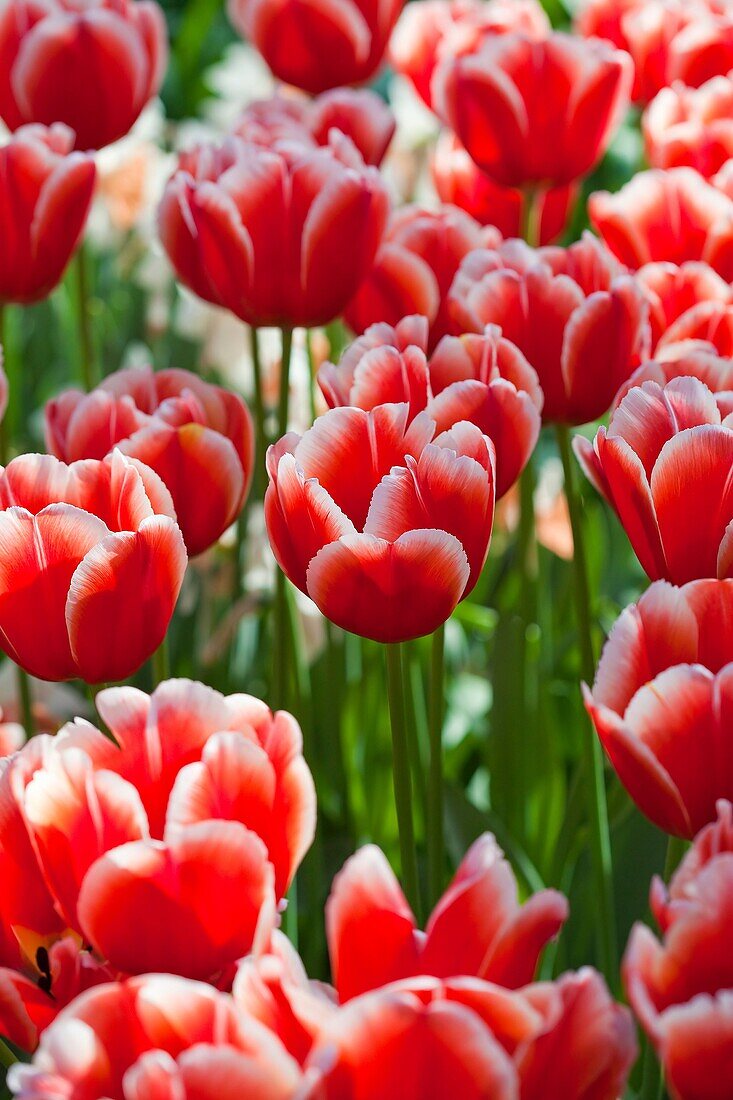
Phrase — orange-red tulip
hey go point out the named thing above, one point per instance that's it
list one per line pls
(461, 182)
(691, 126)
(166, 851)
(92, 64)
(662, 701)
(155, 1038)
(664, 465)
(45, 194)
(682, 988)
(415, 266)
(672, 216)
(318, 44)
(359, 113)
(428, 32)
(197, 437)
(384, 523)
(480, 378)
(578, 317)
(82, 546)
(534, 112)
(262, 231)
(478, 927)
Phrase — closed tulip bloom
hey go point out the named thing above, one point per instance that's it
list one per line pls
(359, 113)
(691, 126)
(427, 32)
(84, 545)
(45, 194)
(197, 437)
(92, 64)
(480, 378)
(662, 702)
(316, 45)
(534, 112)
(261, 231)
(165, 851)
(664, 464)
(673, 289)
(156, 1037)
(578, 317)
(671, 216)
(478, 927)
(414, 268)
(384, 523)
(458, 180)
(682, 988)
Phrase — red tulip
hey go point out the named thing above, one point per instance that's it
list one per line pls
(662, 701)
(709, 324)
(673, 289)
(359, 113)
(84, 545)
(682, 989)
(577, 316)
(428, 32)
(154, 1038)
(45, 195)
(534, 112)
(691, 126)
(459, 181)
(316, 45)
(92, 64)
(673, 215)
(483, 379)
(195, 436)
(557, 1041)
(262, 231)
(478, 927)
(664, 466)
(669, 40)
(166, 851)
(414, 268)
(693, 360)
(383, 523)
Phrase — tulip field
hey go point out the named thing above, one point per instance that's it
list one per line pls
(366, 550)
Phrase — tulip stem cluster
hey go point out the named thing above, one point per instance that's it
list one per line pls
(87, 366)
(435, 837)
(401, 774)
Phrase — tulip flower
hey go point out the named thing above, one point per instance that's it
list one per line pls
(84, 545)
(261, 232)
(460, 182)
(708, 323)
(682, 988)
(671, 216)
(359, 113)
(691, 126)
(195, 436)
(414, 268)
(688, 41)
(479, 378)
(427, 32)
(315, 45)
(382, 522)
(534, 112)
(477, 928)
(661, 701)
(578, 317)
(45, 194)
(663, 464)
(120, 47)
(695, 359)
(164, 851)
(673, 289)
(157, 1036)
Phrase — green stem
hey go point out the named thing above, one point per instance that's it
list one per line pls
(284, 396)
(86, 358)
(161, 662)
(401, 776)
(651, 1080)
(280, 625)
(25, 701)
(676, 848)
(311, 375)
(258, 403)
(7, 1058)
(531, 226)
(436, 840)
(527, 546)
(593, 759)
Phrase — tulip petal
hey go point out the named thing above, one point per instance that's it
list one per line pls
(697, 1047)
